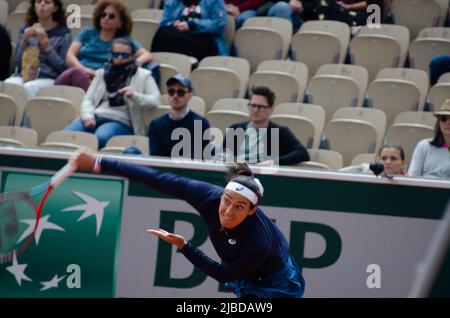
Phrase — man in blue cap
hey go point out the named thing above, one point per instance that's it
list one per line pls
(180, 132)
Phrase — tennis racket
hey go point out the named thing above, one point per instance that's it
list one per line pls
(18, 206)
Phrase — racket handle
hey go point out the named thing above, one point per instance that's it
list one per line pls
(62, 174)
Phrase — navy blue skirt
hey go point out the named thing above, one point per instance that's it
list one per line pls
(286, 283)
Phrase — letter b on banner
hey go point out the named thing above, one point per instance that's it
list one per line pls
(164, 258)
(333, 244)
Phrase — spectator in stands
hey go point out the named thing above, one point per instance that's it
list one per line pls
(41, 46)
(258, 146)
(294, 10)
(90, 50)
(431, 156)
(112, 105)
(439, 65)
(5, 53)
(392, 156)
(351, 12)
(192, 27)
(242, 10)
(161, 129)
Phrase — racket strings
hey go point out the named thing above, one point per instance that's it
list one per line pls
(12, 226)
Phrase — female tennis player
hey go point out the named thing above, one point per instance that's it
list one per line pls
(257, 261)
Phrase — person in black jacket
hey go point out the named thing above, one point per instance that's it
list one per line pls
(5, 53)
(259, 140)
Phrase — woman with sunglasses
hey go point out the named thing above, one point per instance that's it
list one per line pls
(112, 104)
(431, 157)
(41, 46)
(255, 253)
(90, 50)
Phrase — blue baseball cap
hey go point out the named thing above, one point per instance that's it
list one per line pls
(180, 78)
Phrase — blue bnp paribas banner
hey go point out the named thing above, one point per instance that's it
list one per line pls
(76, 244)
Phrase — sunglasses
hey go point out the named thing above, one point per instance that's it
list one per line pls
(180, 92)
(443, 119)
(124, 55)
(110, 16)
(259, 107)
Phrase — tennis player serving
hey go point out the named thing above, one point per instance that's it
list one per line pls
(257, 262)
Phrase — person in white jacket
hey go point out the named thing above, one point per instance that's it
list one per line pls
(113, 103)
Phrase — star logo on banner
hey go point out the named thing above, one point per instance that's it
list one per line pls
(92, 207)
(53, 283)
(18, 270)
(43, 225)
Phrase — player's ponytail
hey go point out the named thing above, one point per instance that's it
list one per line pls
(242, 174)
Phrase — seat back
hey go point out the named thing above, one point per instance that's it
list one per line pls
(73, 139)
(333, 92)
(375, 52)
(71, 93)
(315, 113)
(40, 109)
(213, 83)
(117, 144)
(303, 128)
(25, 137)
(417, 14)
(363, 158)
(19, 95)
(421, 118)
(332, 159)
(422, 51)
(374, 116)
(350, 137)
(408, 135)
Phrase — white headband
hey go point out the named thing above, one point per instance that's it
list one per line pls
(244, 191)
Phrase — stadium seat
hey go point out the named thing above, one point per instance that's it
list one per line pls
(396, 90)
(408, 135)
(421, 118)
(313, 112)
(350, 137)
(17, 136)
(214, 83)
(374, 116)
(330, 158)
(287, 79)
(320, 42)
(70, 140)
(39, 109)
(19, 95)
(417, 14)
(73, 94)
(363, 158)
(438, 94)
(235, 104)
(8, 110)
(378, 48)
(422, 50)
(117, 144)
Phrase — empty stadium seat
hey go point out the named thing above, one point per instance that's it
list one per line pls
(70, 140)
(118, 144)
(17, 136)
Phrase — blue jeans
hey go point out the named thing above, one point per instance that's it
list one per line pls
(247, 14)
(283, 10)
(439, 65)
(103, 130)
